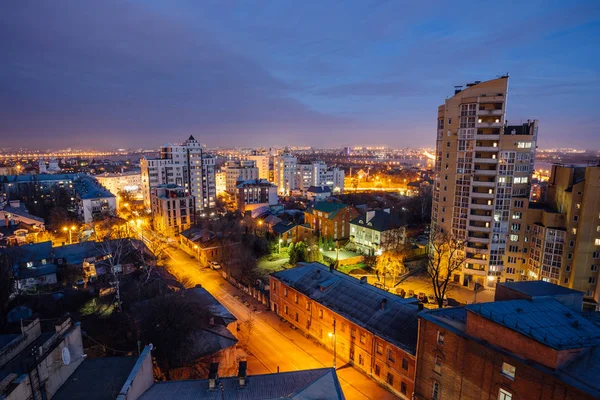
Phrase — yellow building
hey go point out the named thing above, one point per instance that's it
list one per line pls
(482, 177)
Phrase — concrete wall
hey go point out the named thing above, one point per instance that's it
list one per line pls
(140, 378)
(29, 334)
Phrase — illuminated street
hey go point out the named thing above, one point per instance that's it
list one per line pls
(272, 344)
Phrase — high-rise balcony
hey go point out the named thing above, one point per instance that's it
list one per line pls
(480, 195)
(489, 124)
(490, 112)
(485, 184)
(484, 229)
(486, 160)
(484, 218)
(476, 239)
(487, 172)
(483, 147)
(476, 206)
(474, 249)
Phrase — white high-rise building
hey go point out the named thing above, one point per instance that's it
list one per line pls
(261, 161)
(186, 165)
(285, 169)
(317, 174)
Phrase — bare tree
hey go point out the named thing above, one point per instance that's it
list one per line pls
(115, 252)
(446, 257)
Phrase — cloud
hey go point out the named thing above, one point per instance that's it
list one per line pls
(369, 89)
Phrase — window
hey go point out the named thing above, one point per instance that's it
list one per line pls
(597, 242)
(391, 356)
(518, 203)
(343, 327)
(596, 255)
(504, 395)
(592, 280)
(353, 333)
(296, 298)
(390, 379)
(351, 354)
(508, 370)
(403, 387)
(308, 305)
(575, 218)
(594, 268)
(574, 231)
(516, 215)
(514, 238)
(440, 338)
(435, 391)
(361, 360)
(296, 318)
(363, 338)
(437, 367)
(377, 370)
(570, 256)
(404, 364)
(379, 347)
(571, 243)
(285, 309)
(321, 313)
(285, 292)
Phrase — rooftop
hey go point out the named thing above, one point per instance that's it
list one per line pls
(544, 320)
(327, 207)
(378, 220)
(37, 178)
(254, 182)
(388, 316)
(29, 252)
(307, 384)
(319, 189)
(88, 187)
(539, 288)
(97, 379)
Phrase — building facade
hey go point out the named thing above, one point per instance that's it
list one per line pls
(261, 161)
(285, 169)
(548, 350)
(377, 231)
(238, 171)
(172, 209)
(316, 173)
(130, 181)
(94, 202)
(371, 329)
(255, 193)
(330, 220)
(483, 166)
(187, 165)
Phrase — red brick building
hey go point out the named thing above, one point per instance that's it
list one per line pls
(536, 347)
(331, 220)
(371, 329)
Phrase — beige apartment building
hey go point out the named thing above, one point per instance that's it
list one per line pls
(561, 242)
(482, 177)
(172, 209)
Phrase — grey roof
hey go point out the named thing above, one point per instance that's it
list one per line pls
(76, 253)
(22, 212)
(327, 207)
(282, 227)
(381, 221)
(38, 178)
(46, 269)
(307, 384)
(88, 187)
(29, 252)
(319, 189)
(545, 320)
(359, 302)
(97, 379)
(254, 182)
(539, 288)
(202, 297)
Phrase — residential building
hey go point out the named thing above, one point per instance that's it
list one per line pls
(172, 209)
(369, 328)
(238, 171)
(483, 166)
(316, 173)
(32, 265)
(187, 165)
(205, 245)
(533, 342)
(318, 193)
(285, 169)
(220, 182)
(129, 181)
(321, 383)
(377, 231)
(330, 220)
(559, 240)
(261, 161)
(51, 168)
(291, 232)
(43, 188)
(252, 194)
(17, 226)
(94, 202)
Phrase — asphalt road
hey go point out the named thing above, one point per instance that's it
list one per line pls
(272, 345)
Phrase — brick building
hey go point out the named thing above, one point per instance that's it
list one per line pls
(548, 350)
(331, 220)
(371, 329)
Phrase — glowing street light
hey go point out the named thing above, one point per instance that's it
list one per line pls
(332, 336)
(70, 230)
(280, 240)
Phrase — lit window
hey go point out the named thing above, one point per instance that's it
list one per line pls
(508, 370)
(440, 338)
(597, 242)
(435, 392)
(504, 395)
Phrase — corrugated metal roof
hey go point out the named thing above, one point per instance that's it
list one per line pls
(361, 303)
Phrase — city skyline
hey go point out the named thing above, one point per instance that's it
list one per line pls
(117, 74)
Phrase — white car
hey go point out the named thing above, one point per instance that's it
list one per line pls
(215, 265)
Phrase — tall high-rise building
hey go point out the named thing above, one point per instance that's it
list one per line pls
(316, 173)
(187, 165)
(285, 169)
(482, 176)
(262, 163)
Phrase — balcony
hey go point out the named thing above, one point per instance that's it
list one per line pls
(475, 217)
(475, 239)
(483, 184)
(476, 206)
(483, 229)
(486, 148)
(484, 136)
(473, 271)
(489, 124)
(478, 195)
(476, 250)
(486, 160)
(495, 113)
(487, 172)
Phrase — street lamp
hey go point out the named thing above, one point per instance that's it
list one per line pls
(280, 240)
(332, 336)
(71, 229)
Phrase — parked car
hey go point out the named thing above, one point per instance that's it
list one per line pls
(378, 285)
(411, 293)
(400, 292)
(215, 265)
(422, 298)
(431, 298)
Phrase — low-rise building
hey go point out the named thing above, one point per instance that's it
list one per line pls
(129, 181)
(94, 202)
(172, 209)
(377, 231)
(291, 232)
(318, 193)
(205, 245)
(255, 193)
(533, 342)
(331, 220)
(369, 328)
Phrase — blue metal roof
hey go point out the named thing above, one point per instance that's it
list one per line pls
(538, 288)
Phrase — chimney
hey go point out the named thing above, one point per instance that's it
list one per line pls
(420, 306)
(383, 303)
(242, 373)
(213, 376)
(370, 214)
(363, 279)
(318, 274)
